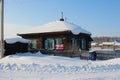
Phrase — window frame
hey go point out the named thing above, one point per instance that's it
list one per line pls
(58, 41)
(50, 44)
(83, 44)
(74, 43)
(33, 44)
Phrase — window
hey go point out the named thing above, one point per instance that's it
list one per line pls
(49, 43)
(34, 44)
(74, 43)
(58, 40)
(83, 43)
(59, 45)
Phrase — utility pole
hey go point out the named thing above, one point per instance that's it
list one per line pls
(1, 28)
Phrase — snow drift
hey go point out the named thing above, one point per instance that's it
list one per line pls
(56, 68)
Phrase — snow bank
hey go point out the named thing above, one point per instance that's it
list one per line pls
(43, 67)
(41, 63)
(58, 68)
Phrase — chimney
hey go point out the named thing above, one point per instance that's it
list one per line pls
(61, 19)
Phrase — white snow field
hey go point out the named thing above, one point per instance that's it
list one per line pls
(28, 66)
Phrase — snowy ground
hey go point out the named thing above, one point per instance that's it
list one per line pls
(27, 66)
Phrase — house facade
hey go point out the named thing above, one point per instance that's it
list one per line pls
(59, 36)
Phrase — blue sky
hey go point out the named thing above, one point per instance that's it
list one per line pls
(100, 17)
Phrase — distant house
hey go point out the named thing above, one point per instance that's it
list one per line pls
(94, 44)
(111, 45)
(115, 45)
(59, 37)
(108, 45)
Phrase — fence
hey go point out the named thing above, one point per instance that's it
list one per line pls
(100, 55)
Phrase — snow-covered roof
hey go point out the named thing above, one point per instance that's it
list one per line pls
(100, 44)
(108, 43)
(117, 43)
(57, 26)
(93, 43)
(14, 40)
(111, 43)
